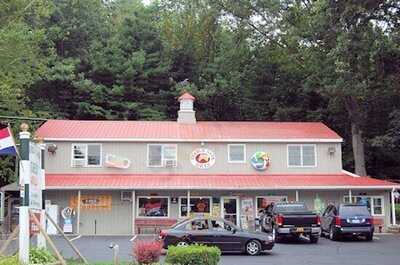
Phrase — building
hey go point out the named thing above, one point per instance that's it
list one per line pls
(127, 177)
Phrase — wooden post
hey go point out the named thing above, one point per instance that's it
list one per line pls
(133, 212)
(78, 213)
(66, 238)
(51, 243)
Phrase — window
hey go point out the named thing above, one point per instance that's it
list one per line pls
(302, 155)
(197, 205)
(263, 201)
(197, 225)
(86, 155)
(373, 203)
(160, 155)
(153, 207)
(236, 153)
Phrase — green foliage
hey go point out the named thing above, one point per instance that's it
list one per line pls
(9, 260)
(193, 255)
(397, 211)
(40, 256)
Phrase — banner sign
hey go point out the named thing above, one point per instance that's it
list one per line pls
(94, 202)
(247, 213)
(33, 227)
(202, 158)
(36, 178)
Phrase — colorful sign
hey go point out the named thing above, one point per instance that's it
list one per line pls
(37, 177)
(96, 202)
(117, 161)
(260, 160)
(247, 213)
(67, 214)
(202, 158)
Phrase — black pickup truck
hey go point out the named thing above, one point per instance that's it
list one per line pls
(293, 219)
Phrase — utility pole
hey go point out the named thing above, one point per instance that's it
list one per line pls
(24, 180)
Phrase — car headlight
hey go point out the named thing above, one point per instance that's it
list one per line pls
(270, 238)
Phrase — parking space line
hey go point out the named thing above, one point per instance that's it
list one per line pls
(75, 238)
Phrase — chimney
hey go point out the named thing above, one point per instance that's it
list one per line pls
(186, 114)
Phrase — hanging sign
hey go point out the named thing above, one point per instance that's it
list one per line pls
(260, 160)
(202, 158)
(117, 161)
(95, 202)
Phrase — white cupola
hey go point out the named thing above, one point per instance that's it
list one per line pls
(186, 114)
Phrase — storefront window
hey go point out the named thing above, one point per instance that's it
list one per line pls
(373, 203)
(153, 206)
(197, 205)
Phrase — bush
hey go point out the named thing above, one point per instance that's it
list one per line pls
(9, 260)
(397, 212)
(40, 256)
(147, 252)
(193, 255)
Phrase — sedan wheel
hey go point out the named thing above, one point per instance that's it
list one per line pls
(253, 247)
(182, 244)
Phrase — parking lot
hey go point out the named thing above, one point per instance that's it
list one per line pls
(384, 250)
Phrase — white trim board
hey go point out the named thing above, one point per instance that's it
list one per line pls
(227, 188)
(158, 140)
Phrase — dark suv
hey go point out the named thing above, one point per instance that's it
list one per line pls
(347, 219)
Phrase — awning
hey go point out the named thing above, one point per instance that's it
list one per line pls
(215, 182)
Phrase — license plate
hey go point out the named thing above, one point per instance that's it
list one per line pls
(300, 229)
(356, 221)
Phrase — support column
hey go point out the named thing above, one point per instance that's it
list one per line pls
(78, 213)
(2, 202)
(24, 180)
(133, 212)
(393, 207)
(350, 197)
(297, 195)
(188, 204)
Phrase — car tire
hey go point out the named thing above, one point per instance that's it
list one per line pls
(333, 235)
(253, 247)
(314, 239)
(369, 237)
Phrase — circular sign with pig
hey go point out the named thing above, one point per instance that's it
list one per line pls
(202, 158)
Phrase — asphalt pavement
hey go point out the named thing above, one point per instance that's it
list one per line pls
(384, 250)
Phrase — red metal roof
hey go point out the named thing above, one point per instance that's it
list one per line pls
(186, 95)
(174, 131)
(213, 182)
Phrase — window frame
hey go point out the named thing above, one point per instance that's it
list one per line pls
(371, 197)
(153, 217)
(162, 155)
(301, 156)
(86, 145)
(244, 154)
(193, 197)
(265, 196)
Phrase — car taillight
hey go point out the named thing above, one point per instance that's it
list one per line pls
(163, 234)
(338, 221)
(279, 220)
(318, 220)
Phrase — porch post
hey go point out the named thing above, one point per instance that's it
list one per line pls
(393, 207)
(133, 212)
(2, 202)
(188, 204)
(350, 197)
(78, 213)
(297, 195)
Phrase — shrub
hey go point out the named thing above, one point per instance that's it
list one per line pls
(40, 256)
(398, 212)
(9, 260)
(147, 252)
(193, 255)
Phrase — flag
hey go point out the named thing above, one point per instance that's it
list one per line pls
(7, 143)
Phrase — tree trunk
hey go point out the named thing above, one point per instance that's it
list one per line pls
(358, 149)
(355, 115)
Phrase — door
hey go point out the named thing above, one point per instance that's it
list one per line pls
(230, 209)
(225, 236)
